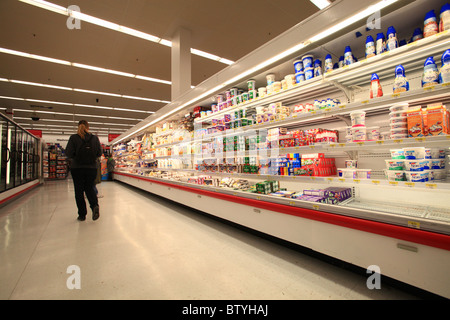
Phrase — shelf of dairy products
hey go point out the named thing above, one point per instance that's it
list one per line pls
(432, 218)
(411, 55)
(421, 95)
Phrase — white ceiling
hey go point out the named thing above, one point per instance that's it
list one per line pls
(229, 29)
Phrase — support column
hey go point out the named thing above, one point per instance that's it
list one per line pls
(181, 62)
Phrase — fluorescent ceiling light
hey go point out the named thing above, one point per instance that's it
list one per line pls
(47, 6)
(114, 26)
(119, 73)
(361, 15)
(321, 4)
(72, 104)
(82, 90)
(80, 65)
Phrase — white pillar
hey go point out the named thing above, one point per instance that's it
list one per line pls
(181, 62)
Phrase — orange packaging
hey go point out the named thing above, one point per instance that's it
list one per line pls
(415, 122)
(437, 120)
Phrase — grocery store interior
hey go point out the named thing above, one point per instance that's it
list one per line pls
(251, 150)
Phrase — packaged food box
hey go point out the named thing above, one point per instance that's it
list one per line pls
(415, 122)
(437, 120)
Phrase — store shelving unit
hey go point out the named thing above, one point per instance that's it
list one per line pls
(407, 224)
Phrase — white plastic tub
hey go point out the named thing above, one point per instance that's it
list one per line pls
(397, 154)
(398, 114)
(421, 176)
(363, 173)
(373, 133)
(395, 175)
(399, 107)
(413, 153)
(359, 134)
(399, 125)
(439, 174)
(414, 165)
(395, 164)
(358, 118)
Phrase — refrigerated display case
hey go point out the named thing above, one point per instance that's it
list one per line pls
(233, 166)
(20, 160)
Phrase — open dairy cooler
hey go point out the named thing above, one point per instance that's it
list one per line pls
(401, 224)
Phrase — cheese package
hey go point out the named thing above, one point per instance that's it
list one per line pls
(415, 122)
(437, 120)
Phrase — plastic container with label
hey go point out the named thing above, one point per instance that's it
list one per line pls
(417, 35)
(399, 133)
(359, 134)
(401, 83)
(351, 164)
(395, 175)
(414, 153)
(385, 135)
(430, 75)
(395, 164)
(399, 125)
(348, 56)
(421, 176)
(298, 65)
(328, 65)
(444, 72)
(307, 61)
(370, 47)
(363, 173)
(398, 114)
(430, 25)
(391, 39)
(270, 79)
(380, 43)
(397, 154)
(373, 133)
(399, 107)
(414, 165)
(317, 68)
(444, 23)
(358, 118)
(309, 73)
(439, 174)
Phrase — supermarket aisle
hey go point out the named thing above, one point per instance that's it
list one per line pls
(143, 247)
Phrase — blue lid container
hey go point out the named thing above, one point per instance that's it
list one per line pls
(430, 15)
(374, 77)
(391, 31)
(400, 70)
(380, 36)
(446, 57)
(445, 7)
(348, 49)
(369, 39)
(429, 61)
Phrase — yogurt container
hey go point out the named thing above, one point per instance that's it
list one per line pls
(399, 107)
(427, 164)
(299, 77)
(348, 138)
(290, 80)
(262, 92)
(348, 131)
(397, 154)
(399, 131)
(373, 133)
(351, 164)
(298, 65)
(435, 153)
(437, 163)
(395, 175)
(359, 134)
(358, 118)
(414, 153)
(397, 120)
(415, 165)
(398, 114)
(309, 73)
(307, 61)
(250, 85)
(348, 173)
(397, 136)
(395, 164)
(417, 176)
(270, 79)
(430, 25)
(399, 125)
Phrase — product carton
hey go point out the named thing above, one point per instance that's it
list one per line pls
(415, 122)
(437, 120)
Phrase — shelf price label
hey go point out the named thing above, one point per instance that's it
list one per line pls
(365, 102)
(376, 182)
(395, 95)
(292, 203)
(315, 206)
(431, 88)
(398, 140)
(379, 142)
(312, 178)
(393, 183)
(342, 145)
(342, 106)
(414, 224)
(420, 139)
(330, 179)
(431, 185)
(356, 181)
(360, 144)
(410, 184)
(341, 180)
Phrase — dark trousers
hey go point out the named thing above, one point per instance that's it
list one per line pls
(83, 181)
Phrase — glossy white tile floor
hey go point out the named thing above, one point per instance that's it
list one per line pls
(143, 247)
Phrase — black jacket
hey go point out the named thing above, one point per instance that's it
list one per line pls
(75, 143)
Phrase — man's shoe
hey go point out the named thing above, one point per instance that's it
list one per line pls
(81, 218)
(95, 213)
